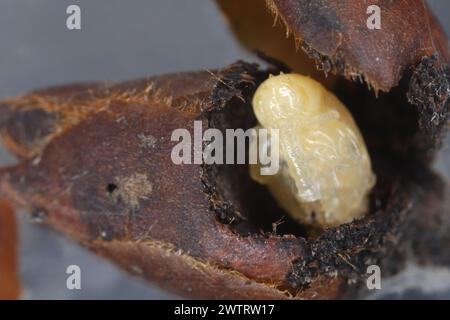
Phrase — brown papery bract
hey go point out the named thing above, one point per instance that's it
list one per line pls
(9, 278)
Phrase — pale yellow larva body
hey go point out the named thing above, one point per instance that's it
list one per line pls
(325, 174)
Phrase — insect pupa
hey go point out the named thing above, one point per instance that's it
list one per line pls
(325, 172)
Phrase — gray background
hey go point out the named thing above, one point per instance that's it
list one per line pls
(119, 40)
